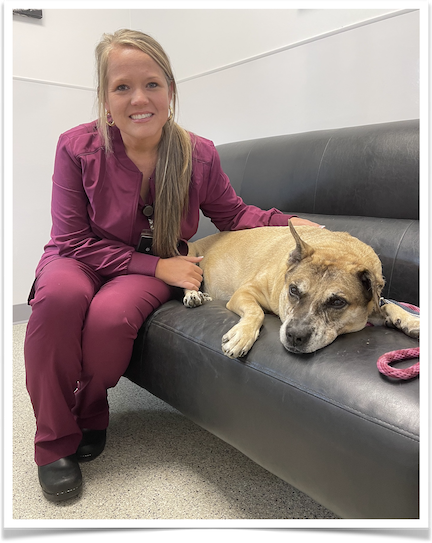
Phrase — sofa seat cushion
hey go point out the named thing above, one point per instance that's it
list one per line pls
(328, 423)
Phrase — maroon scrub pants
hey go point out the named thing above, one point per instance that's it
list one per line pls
(78, 344)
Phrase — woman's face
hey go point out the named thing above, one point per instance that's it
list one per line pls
(138, 96)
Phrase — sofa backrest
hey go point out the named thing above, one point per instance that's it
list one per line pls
(368, 171)
(363, 180)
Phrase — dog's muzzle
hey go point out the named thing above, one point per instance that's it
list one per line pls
(296, 338)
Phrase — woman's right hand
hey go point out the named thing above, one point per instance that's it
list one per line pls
(180, 271)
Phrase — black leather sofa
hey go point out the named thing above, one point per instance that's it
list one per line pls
(328, 423)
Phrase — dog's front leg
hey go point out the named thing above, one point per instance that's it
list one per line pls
(394, 316)
(239, 339)
(403, 320)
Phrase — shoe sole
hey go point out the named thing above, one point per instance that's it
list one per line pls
(61, 496)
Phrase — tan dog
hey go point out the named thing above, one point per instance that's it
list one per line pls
(321, 285)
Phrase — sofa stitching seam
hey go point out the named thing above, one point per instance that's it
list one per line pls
(319, 171)
(389, 284)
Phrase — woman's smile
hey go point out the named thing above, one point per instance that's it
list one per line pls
(141, 116)
(138, 96)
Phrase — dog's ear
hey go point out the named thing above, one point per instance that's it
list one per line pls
(302, 249)
(372, 285)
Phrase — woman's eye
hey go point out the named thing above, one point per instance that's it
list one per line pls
(121, 87)
(152, 85)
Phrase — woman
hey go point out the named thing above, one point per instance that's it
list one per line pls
(133, 170)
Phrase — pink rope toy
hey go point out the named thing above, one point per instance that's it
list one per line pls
(384, 361)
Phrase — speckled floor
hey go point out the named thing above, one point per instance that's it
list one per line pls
(157, 465)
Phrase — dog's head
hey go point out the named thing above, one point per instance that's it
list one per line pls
(330, 289)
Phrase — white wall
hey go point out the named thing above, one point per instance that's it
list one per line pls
(363, 76)
(242, 74)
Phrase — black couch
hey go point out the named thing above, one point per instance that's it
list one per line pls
(328, 423)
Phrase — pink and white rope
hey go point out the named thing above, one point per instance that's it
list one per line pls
(385, 360)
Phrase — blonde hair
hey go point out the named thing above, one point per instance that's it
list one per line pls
(174, 164)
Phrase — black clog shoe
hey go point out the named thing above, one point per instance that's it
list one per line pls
(61, 480)
(92, 444)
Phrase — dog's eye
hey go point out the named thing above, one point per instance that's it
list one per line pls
(294, 291)
(337, 303)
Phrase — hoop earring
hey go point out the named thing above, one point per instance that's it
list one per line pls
(171, 113)
(109, 122)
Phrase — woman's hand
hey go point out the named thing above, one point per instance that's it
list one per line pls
(297, 221)
(180, 271)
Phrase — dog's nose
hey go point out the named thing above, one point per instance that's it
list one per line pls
(298, 337)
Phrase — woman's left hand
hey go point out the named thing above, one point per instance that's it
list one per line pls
(297, 221)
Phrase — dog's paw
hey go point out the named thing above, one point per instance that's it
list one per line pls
(237, 342)
(195, 298)
(409, 325)
(397, 317)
